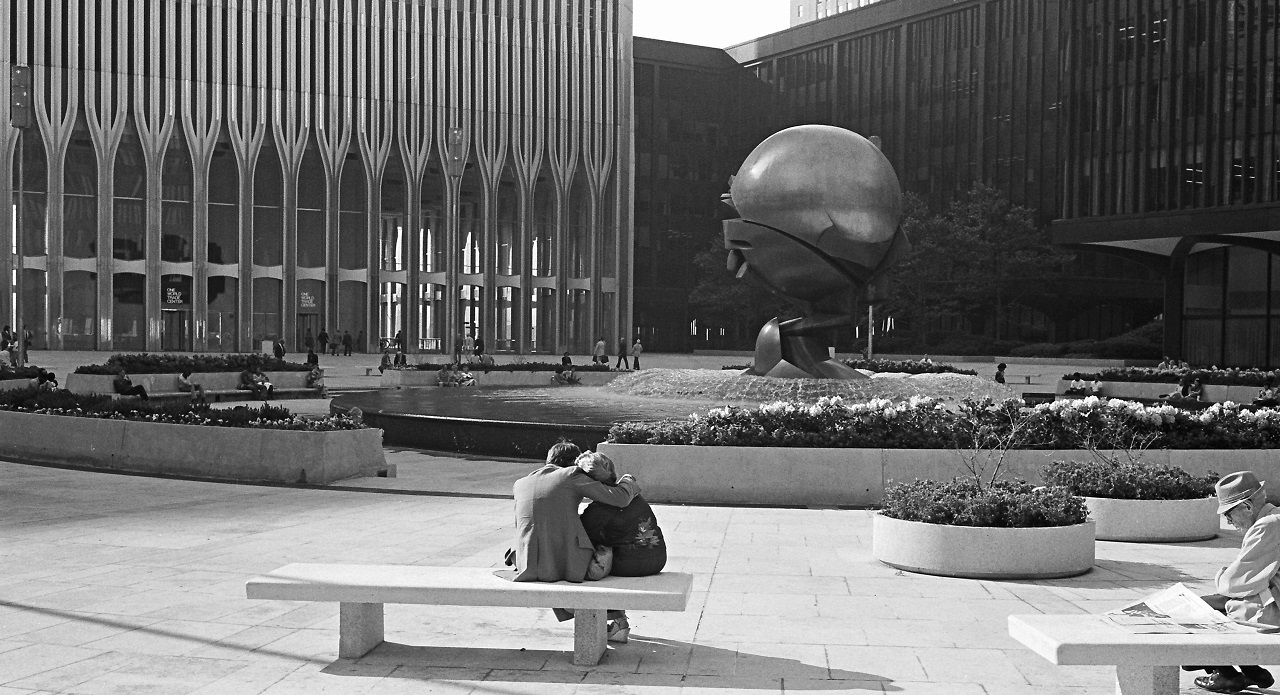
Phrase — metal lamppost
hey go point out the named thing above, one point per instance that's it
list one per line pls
(20, 117)
(455, 166)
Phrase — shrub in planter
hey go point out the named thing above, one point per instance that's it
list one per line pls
(908, 367)
(176, 364)
(65, 403)
(999, 504)
(28, 372)
(1129, 481)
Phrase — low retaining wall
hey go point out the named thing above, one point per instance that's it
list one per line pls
(858, 477)
(168, 383)
(216, 453)
(414, 378)
(1214, 393)
(14, 384)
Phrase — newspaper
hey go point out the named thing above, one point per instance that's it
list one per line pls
(1174, 611)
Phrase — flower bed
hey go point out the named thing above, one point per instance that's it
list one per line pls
(924, 423)
(1129, 481)
(515, 367)
(999, 504)
(908, 367)
(1154, 375)
(103, 407)
(176, 364)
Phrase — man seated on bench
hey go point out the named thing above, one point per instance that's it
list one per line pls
(1248, 586)
(1269, 396)
(254, 381)
(125, 386)
(1076, 388)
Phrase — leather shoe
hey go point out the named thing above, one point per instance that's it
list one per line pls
(1223, 682)
(1258, 676)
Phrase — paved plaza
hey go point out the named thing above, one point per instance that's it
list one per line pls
(129, 584)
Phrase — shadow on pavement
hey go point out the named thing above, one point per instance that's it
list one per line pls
(655, 659)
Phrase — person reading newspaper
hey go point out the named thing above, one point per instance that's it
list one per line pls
(1247, 588)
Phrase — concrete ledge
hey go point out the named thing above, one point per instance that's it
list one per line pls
(982, 552)
(1154, 521)
(168, 383)
(215, 453)
(1213, 393)
(14, 384)
(411, 378)
(858, 477)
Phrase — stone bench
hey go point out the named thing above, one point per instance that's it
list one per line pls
(219, 386)
(361, 591)
(1145, 664)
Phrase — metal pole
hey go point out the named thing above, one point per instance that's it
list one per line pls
(871, 329)
(19, 329)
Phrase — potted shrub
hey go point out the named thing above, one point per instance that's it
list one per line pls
(998, 530)
(1140, 502)
(981, 526)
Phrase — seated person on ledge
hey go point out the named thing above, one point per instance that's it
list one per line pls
(185, 385)
(464, 378)
(1269, 396)
(255, 382)
(565, 375)
(1186, 391)
(446, 376)
(125, 386)
(1246, 586)
(1077, 387)
(1095, 387)
(315, 379)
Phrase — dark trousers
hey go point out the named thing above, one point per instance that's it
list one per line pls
(135, 390)
(1219, 603)
(621, 363)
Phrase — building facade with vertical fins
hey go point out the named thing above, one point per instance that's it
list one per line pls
(204, 175)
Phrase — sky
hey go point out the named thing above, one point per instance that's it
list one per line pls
(717, 23)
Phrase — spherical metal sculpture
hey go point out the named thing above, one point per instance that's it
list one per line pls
(817, 211)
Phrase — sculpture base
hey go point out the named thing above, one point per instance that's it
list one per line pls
(796, 357)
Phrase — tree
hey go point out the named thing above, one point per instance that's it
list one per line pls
(720, 299)
(976, 258)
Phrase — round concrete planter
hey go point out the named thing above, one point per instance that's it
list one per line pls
(981, 552)
(1154, 521)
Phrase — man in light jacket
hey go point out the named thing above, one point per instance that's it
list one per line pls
(1248, 587)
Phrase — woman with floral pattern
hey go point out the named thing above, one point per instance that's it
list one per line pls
(632, 531)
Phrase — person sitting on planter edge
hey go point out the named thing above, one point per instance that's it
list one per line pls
(463, 377)
(1077, 387)
(1095, 387)
(255, 382)
(315, 380)
(1269, 396)
(125, 386)
(565, 376)
(446, 376)
(187, 386)
(1246, 586)
(1185, 391)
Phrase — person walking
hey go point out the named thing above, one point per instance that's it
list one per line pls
(323, 339)
(309, 341)
(621, 363)
(636, 349)
(600, 354)
(479, 351)
(346, 343)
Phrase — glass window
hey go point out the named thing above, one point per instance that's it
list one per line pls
(224, 233)
(266, 310)
(311, 239)
(33, 306)
(431, 318)
(128, 321)
(79, 226)
(224, 177)
(223, 305)
(80, 174)
(79, 311)
(351, 313)
(129, 231)
(268, 236)
(175, 232)
(352, 250)
(1247, 281)
(311, 181)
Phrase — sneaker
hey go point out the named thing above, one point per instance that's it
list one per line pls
(619, 630)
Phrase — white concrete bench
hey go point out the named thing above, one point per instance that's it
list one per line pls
(361, 591)
(1145, 664)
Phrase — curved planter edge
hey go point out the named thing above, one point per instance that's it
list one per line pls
(1154, 521)
(983, 553)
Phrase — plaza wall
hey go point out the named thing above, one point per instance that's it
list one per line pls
(204, 175)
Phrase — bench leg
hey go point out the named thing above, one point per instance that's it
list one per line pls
(588, 636)
(359, 629)
(1146, 680)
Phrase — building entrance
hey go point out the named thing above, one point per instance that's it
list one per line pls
(176, 336)
(312, 323)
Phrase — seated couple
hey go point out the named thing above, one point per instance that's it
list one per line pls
(1246, 588)
(450, 375)
(1078, 387)
(554, 544)
(1189, 389)
(1269, 396)
(254, 381)
(565, 375)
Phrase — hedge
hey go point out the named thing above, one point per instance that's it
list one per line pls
(999, 504)
(176, 364)
(517, 367)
